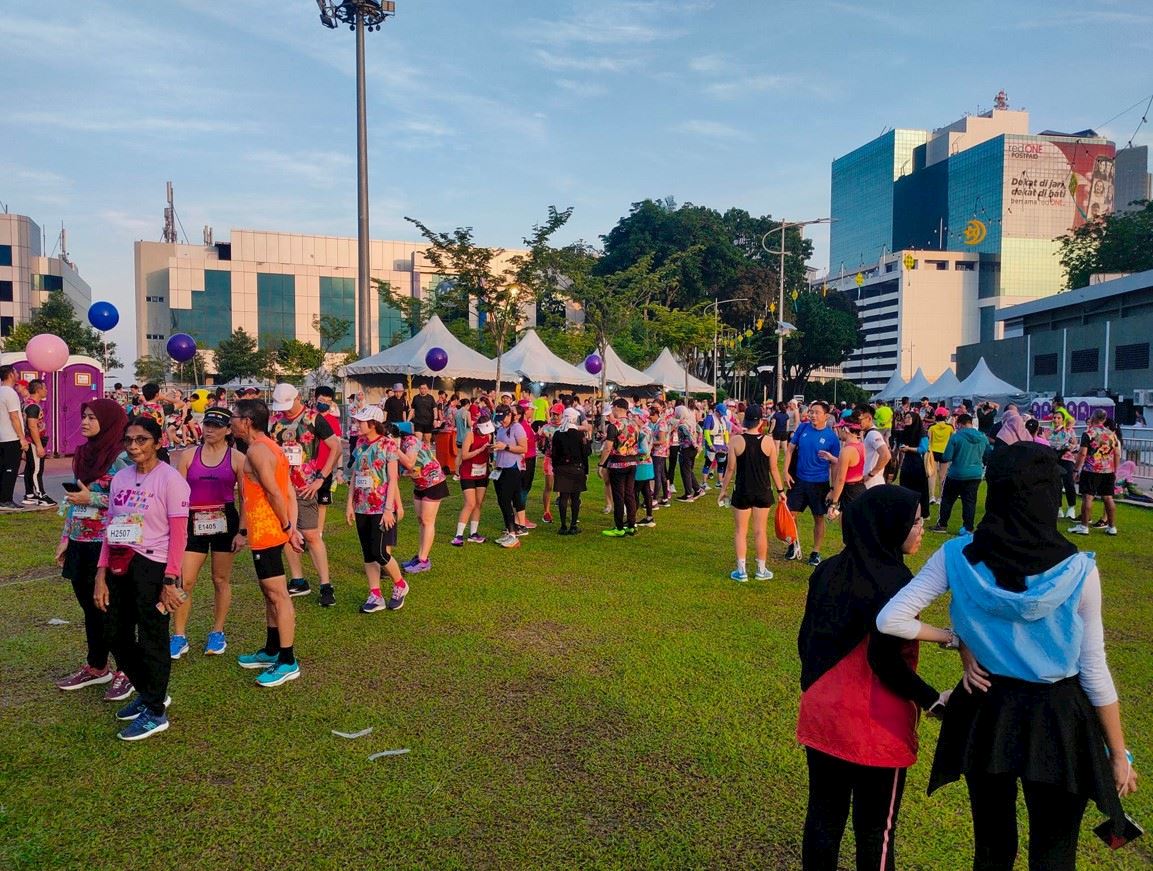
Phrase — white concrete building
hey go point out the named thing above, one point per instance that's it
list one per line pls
(27, 276)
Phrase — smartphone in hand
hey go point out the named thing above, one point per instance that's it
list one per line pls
(70, 487)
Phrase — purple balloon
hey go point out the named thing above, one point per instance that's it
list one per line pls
(594, 364)
(436, 359)
(181, 347)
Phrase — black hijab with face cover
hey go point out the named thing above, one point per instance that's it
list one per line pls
(847, 591)
(1018, 535)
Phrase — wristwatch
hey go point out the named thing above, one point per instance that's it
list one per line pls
(169, 581)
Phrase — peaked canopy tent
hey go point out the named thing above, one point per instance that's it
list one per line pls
(983, 383)
(917, 387)
(893, 387)
(671, 375)
(407, 358)
(622, 374)
(946, 386)
(530, 358)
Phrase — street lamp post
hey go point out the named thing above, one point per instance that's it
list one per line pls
(715, 306)
(781, 298)
(359, 15)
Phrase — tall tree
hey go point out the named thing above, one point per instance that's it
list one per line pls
(828, 330)
(295, 359)
(685, 333)
(1112, 243)
(58, 317)
(239, 357)
(154, 369)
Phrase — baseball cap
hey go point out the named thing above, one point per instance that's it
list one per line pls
(556, 409)
(941, 411)
(248, 391)
(370, 412)
(221, 417)
(753, 415)
(283, 395)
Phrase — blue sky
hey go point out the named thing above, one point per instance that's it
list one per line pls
(483, 114)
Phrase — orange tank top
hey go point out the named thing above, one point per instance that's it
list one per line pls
(264, 527)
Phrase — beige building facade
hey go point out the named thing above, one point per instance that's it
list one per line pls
(27, 275)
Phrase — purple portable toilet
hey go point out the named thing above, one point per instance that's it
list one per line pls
(25, 372)
(79, 381)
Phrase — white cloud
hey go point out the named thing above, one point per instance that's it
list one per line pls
(582, 89)
(321, 169)
(124, 124)
(584, 63)
(712, 130)
(743, 87)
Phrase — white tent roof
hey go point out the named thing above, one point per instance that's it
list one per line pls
(666, 371)
(918, 386)
(622, 374)
(946, 386)
(532, 359)
(893, 387)
(407, 358)
(982, 382)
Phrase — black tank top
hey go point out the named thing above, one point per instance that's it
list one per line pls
(753, 477)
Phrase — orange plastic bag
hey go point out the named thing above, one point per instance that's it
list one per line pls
(786, 524)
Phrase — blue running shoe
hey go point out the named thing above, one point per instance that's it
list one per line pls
(177, 646)
(136, 707)
(215, 644)
(398, 593)
(763, 575)
(260, 659)
(739, 576)
(280, 673)
(144, 726)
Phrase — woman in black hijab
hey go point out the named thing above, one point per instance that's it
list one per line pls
(912, 447)
(1040, 710)
(860, 690)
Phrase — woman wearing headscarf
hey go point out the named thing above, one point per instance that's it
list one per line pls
(689, 437)
(1012, 429)
(1038, 704)
(570, 452)
(96, 461)
(860, 690)
(914, 444)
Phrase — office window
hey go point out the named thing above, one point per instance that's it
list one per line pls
(1084, 360)
(209, 321)
(5, 291)
(1045, 364)
(965, 266)
(155, 299)
(1132, 356)
(338, 300)
(47, 283)
(276, 308)
(5, 255)
(155, 337)
(6, 325)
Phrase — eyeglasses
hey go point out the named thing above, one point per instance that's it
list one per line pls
(137, 440)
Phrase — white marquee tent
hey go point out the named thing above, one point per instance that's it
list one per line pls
(918, 386)
(982, 383)
(530, 358)
(945, 387)
(622, 374)
(407, 358)
(893, 387)
(671, 375)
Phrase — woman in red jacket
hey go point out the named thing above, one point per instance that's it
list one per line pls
(861, 692)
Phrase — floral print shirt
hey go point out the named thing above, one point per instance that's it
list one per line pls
(427, 472)
(370, 474)
(86, 523)
(300, 439)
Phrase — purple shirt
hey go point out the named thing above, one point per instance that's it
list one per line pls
(139, 507)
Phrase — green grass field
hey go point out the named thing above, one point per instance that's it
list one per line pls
(578, 703)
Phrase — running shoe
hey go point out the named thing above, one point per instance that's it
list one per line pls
(794, 551)
(215, 644)
(528, 524)
(177, 646)
(1079, 529)
(373, 604)
(87, 676)
(120, 688)
(399, 591)
(327, 596)
(136, 707)
(260, 659)
(407, 566)
(937, 527)
(647, 522)
(476, 538)
(298, 587)
(457, 541)
(672, 488)
(1110, 530)
(739, 575)
(613, 533)
(508, 540)
(814, 559)
(563, 531)
(630, 530)
(522, 531)
(701, 492)
(665, 503)
(10, 506)
(574, 529)
(546, 517)
(421, 565)
(1101, 524)
(763, 575)
(31, 500)
(684, 498)
(45, 499)
(144, 726)
(277, 674)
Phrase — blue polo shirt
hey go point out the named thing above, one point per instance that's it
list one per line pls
(807, 442)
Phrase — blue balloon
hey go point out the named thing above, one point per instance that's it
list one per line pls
(103, 315)
(181, 347)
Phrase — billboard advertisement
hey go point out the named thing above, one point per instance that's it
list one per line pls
(1052, 187)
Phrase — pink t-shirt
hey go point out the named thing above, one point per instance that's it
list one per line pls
(139, 507)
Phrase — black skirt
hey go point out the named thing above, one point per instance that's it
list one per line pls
(570, 479)
(1045, 733)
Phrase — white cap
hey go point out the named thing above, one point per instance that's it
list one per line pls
(370, 412)
(283, 396)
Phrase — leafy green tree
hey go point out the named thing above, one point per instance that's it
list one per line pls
(239, 357)
(58, 317)
(686, 333)
(836, 390)
(335, 334)
(1112, 243)
(193, 372)
(828, 330)
(295, 359)
(154, 369)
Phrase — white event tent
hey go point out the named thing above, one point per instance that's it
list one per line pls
(918, 386)
(893, 387)
(945, 387)
(530, 358)
(621, 373)
(407, 358)
(983, 383)
(667, 372)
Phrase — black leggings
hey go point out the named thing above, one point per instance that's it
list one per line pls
(913, 478)
(567, 502)
(660, 478)
(674, 455)
(875, 796)
(137, 632)
(644, 494)
(688, 476)
(1054, 823)
(1068, 483)
(623, 484)
(526, 479)
(80, 568)
(508, 496)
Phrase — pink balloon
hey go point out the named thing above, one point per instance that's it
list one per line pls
(47, 352)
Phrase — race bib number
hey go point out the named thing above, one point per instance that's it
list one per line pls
(210, 522)
(85, 512)
(479, 470)
(364, 482)
(294, 454)
(126, 529)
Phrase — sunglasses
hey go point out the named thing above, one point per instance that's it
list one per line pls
(137, 440)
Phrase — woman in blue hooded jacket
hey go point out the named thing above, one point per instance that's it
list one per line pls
(1039, 706)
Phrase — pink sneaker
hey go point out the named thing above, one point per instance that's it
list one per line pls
(120, 689)
(528, 524)
(85, 677)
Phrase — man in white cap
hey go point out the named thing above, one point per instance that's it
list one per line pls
(300, 431)
(396, 407)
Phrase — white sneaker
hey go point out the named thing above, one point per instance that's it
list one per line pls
(1079, 529)
(1071, 513)
(1110, 530)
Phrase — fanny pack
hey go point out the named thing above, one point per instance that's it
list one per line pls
(119, 559)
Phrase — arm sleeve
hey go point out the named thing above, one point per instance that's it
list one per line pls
(177, 542)
(899, 617)
(894, 672)
(1095, 677)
